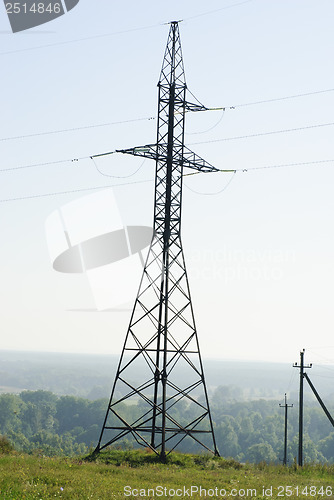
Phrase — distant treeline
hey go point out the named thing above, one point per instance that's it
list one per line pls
(246, 431)
(91, 376)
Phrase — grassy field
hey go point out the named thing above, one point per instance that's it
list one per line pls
(136, 474)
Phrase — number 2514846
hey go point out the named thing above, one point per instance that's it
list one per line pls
(35, 8)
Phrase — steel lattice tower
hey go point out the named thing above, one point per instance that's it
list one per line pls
(160, 372)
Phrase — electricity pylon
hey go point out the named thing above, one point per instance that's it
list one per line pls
(160, 380)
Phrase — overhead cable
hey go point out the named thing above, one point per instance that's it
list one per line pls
(58, 193)
(243, 170)
(74, 160)
(215, 192)
(33, 165)
(223, 108)
(121, 32)
(264, 167)
(275, 99)
(117, 176)
(76, 40)
(190, 18)
(261, 134)
(38, 134)
(209, 129)
(282, 165)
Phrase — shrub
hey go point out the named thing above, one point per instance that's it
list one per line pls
(5, 446)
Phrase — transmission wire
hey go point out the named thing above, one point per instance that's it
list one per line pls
(224, 108)
(275, 99)
(209, 129)
(73, 160)
(292, 379)
(261, 134)
(216, 10)
(117, 176)
(217, 192)
(115, 33)
(57, 193)
(283, 165)
(72, 129)
(33, 165)
(150, 180)
(67, 42)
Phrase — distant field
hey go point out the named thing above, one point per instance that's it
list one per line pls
(136, 475)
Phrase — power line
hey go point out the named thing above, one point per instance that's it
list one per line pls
(292, 379)
(263, 167)
(329, 360)
(283, 165)
(315, 162)
(275, 99)
(115, 33)
(216, 10)
(216, 192)
(33, 165)
(244, 170)
(67, 42)
(58, 193)
(117, 176)
(38, 134)
(211, 128)
(261, 134)
(73, 160)
(322, 376)
(148, 118)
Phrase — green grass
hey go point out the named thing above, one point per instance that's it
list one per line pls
(38, 477)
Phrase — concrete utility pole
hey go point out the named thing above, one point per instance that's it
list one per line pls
(286, 406)
(301, 404)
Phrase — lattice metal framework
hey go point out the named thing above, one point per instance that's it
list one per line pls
(160, 372)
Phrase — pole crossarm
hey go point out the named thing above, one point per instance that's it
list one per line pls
(187, 158)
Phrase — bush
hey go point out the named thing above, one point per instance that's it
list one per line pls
(5, 446)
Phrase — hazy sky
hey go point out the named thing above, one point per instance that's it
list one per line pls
(259, 253)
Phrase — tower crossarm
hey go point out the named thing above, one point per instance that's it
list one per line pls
(147, 151)
(192, 160)
(187, 159)
(190, 106)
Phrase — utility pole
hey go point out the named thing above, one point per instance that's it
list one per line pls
(286, 406)
(160, 372)
(301, 404)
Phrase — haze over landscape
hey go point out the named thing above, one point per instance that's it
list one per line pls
(259, 253)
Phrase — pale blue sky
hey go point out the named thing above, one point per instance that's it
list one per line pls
(260, 254)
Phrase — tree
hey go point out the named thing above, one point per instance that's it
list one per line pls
(10, 409)
(227, 438)
(262, 452)
(72, 412)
